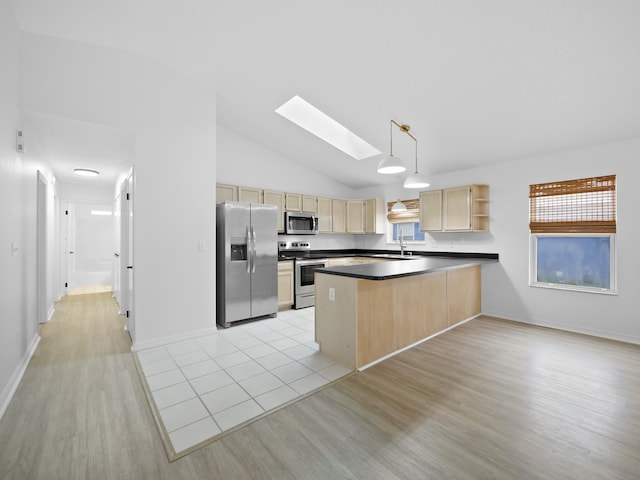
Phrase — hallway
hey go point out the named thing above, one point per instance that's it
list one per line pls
(80, 411)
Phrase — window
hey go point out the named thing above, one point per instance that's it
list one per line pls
(410, 232)
(573, 226)
(407, 223)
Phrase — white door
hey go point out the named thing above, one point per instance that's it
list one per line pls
(91, 240)
(41, 242)
(126, 254)
(117, 267)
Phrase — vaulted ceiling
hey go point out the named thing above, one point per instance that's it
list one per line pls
(479, 81)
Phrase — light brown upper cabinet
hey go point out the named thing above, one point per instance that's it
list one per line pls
(325, 224)
(249, 195)
(355, 216)
(226, 193)
(374, 216)
(431, 211)
(459, 209)
(309, 204)
(293, 202)
(339, 208)
(276, 198)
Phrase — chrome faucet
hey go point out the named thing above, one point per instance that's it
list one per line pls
(403, 245)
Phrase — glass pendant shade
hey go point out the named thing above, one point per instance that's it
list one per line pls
(391, 164)
(398, 207)
(416, 181)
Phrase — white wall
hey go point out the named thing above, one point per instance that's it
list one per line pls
(506, 292)
(243, 162)
(18, 207)
(173, 119)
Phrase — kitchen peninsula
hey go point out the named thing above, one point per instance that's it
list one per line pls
(365, 313)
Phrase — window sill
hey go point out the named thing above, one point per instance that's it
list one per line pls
(574, 288)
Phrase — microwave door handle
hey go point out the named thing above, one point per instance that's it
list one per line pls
(248, 250)
(315, 223)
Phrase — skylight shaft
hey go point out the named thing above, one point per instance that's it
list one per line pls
(323, 126)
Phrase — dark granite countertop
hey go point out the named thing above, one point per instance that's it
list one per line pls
(354, 252)
(402, 268)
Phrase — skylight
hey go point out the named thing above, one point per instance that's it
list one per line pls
(323, 126)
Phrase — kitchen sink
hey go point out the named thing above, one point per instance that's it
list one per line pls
(396, 256)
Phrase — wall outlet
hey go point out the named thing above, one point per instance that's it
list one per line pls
(202, 246)
(332, 294)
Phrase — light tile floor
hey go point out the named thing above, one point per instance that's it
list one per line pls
(207, 385)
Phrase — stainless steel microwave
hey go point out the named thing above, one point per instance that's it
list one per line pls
(297, 223)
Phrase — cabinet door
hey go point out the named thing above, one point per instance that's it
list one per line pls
(339, 220)
(293, 202)
(249, 195)
(226, 193)
(457, 209)
(285, 284)
(324, 215)
(431, 211)
(338, 262)
(309, 204)
(374, 216)
(276, 198)
(355, 216)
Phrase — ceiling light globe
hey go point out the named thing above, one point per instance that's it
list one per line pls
(398, 207)
(391, 164)
(415, 181)
(86, 172)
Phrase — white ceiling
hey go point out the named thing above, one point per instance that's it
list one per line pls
(67, 144)
(479, 81)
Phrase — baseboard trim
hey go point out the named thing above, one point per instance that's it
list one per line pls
(52, 310)
(364, 367)
(10, 390)
(567, 328)
(158, 342)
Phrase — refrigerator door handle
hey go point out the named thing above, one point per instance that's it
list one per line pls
(253, 250)
(248, 250)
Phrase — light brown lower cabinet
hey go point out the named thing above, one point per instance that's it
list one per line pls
(370, 319)
(285, 284)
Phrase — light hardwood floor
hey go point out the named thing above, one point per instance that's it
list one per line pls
(489, 399)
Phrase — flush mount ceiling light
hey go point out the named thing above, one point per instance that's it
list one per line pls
(323, 126)
(85, 172)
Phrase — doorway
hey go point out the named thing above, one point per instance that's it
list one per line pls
(91, 243)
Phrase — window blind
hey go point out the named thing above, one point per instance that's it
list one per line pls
(411, 215)
(585, 205)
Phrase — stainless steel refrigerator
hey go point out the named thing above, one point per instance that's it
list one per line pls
(247, 262)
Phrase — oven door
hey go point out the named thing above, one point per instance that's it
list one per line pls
(304, 274)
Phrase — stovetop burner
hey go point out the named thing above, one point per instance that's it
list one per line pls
(295, 249)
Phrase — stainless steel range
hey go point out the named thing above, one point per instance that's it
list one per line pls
(305, 265)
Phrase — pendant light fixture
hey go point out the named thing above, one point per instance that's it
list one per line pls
(398, 207)
(392, 164)
(415, 180)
